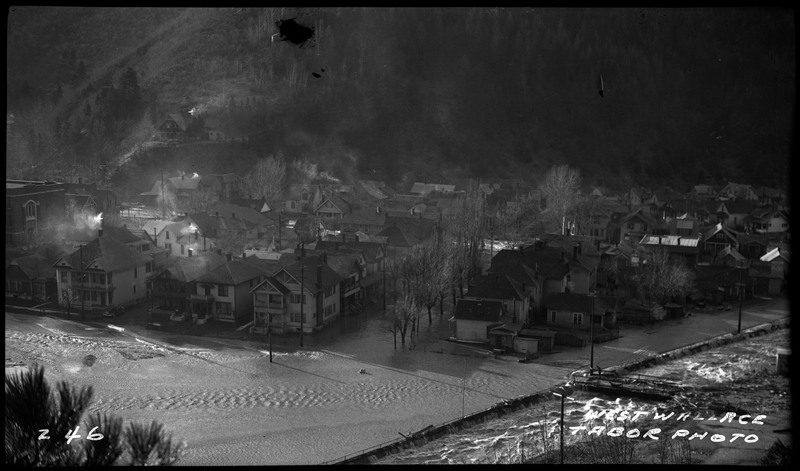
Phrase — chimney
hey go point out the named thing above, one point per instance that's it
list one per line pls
(216, 213)
(356, 237)
(190, 253)
(100, 232)
(244, 255)
(229, 256)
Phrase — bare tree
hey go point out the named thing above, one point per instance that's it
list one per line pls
(465, 229)
(559, 187)
(405, 315)
(518, 218)
(660, 278)
(266, 179)
(202, 200)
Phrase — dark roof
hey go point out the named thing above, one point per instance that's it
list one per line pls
(496, 286)
(569, 302)
(478, 310)
(188, 269)
(109, 254)
(366, 217)
(311, 262)
(641, 215)
(35, 266)
(370, 250)
(228, 211)
(344, 264)
(233, 272)
(396, 236)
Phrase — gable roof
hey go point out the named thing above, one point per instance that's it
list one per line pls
(773, 255)
(375, 189)
(189, 269)
(340, 203)
(184, 183)
(638, 213)
(478, 310)
(496, 286)
(720, 228)
(157, 224)
(396, 236)
(365, 217)
(233, 211)
(34, 266)
(311, 263)
(233, 272)
(107, 253)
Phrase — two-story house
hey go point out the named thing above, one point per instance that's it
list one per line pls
(475, 318)
(636, 224)
(716, 239)
(302, 295)
(224, 294)
(685, 249)
(175, 283)
(333, 206)
(102, 272)
(372, 255)
(514, 296)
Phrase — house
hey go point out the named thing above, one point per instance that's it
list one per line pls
(514, 296)
(351, 268)
(303, 295)
(734, 212)
(224, 292)
(398, 240)
(333, 206)
(367, 221)
(704, 191)
(684, 225)
(175, 282)
(31, 277)
(372, 254)
(731, 257)
(175, 193)
(682, 249)
(636, 224)
(103, 272)
(176, 126)
(264, 225)
(752, 246)
(298, 198)
(717, 238)
(474, 318)
(571, 310)
(767, 220)
(225, 186)
(770, 273)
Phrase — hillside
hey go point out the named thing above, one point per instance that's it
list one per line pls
(690, 95)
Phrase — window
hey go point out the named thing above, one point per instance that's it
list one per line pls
(167, 235)
(296, 298)
(30, 210)
(148, 267)
(295, 317)
(553, 316)
(223, 309)
(222, 290)
(183, 247)
(134, 289)
(63, 276)
(135, 272)
(577, 318)
(168, 246)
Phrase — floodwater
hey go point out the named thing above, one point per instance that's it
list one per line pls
(232, 406)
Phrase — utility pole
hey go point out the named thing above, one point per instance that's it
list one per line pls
(741, 296)
(269, 333)
(383, 262)
(463, 388)
(591, 334)
(302, 300)
(83, 316)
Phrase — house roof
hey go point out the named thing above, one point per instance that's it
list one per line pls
(496, 286)
(369, 249)
(772, 255)
(337, 201)
(34, 266)
(740, 206)
(396, 236)
(730, 251)
(184, 183)
(233, 272)
(179, 120)
(478, 310)
(107, 253)
(569, 302)
(644, 217)
(720, 228)
(158, 225)
(189, 269)
(669, 240)
(228, 211)
(311, 263)
(366, 217)
(344, 264)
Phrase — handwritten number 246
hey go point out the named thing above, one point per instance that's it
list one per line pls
(71, 435)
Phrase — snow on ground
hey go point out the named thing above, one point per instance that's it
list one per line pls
(233, 407)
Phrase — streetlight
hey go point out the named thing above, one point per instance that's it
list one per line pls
(565, 391)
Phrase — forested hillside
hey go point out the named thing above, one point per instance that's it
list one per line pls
(408, 94)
